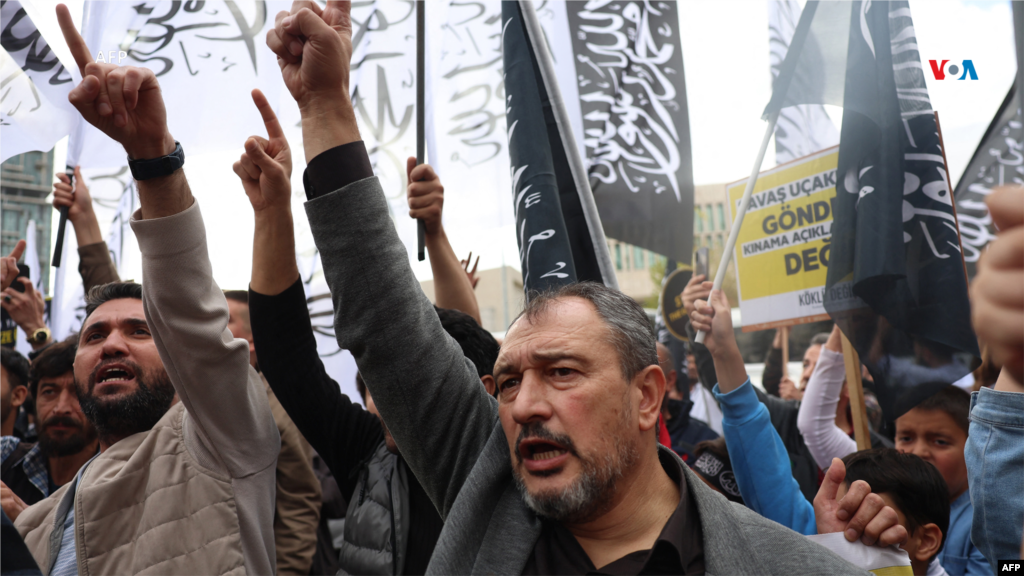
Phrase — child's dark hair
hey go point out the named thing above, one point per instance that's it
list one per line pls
(915, 486)
(952, 401)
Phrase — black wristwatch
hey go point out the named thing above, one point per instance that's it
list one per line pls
(157, 167)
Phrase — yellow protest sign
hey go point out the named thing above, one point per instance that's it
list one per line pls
(782, 249)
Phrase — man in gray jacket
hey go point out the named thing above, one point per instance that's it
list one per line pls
(562, 473)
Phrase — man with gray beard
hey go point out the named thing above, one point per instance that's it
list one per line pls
(562, 472)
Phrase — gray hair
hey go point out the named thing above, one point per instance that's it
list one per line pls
(819, 339)
(630, 331)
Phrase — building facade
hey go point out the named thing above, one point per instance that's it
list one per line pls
(25, 182)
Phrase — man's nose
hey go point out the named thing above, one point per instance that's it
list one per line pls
(115, 345)
(531, 403)
(67, 402)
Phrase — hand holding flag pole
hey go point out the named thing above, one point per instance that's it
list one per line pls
(421, 227)
(741, 211)
(59, 249)
(779, 91)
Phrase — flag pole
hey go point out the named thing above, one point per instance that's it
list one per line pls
(572, 153)
(785, 350)
(855, 386)
(741, 211)
(58, 250)
(1019, 35)
(421, 79)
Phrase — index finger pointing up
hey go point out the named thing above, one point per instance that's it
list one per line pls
(269, 118)
(76, 43)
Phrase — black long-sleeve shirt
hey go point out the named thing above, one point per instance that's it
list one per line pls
(340, 430)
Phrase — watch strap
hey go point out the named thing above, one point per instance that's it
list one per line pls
(157, 167)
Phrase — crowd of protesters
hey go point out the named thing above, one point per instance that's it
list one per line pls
(191, 430)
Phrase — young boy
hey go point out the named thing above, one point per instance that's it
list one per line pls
(932, 423)
(915, 490)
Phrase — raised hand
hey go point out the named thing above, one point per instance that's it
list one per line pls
(9, 265)
(313, 47)
(997, 292)
(266, 167)
(425, 195)
(471, 274)
(788, 389)
(714, 317)
(75, 197)
(124, 102)
(858, 514)
(26, 308)
(695, 290)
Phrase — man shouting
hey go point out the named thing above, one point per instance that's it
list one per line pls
(185, 480)
(562, 473)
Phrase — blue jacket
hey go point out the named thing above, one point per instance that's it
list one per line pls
(959, 555)
(760, 461)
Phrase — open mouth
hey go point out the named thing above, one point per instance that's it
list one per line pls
(115, 374)
(540, 450)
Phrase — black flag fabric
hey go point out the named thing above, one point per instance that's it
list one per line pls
(556, 245)
(996, 162)
(896, 282)
(636, 128)
(895, 244)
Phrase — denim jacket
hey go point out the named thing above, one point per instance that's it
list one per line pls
(995, 471)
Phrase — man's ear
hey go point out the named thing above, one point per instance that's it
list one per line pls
(488, 381)
(651, 384)
(18, 396)
(930, 542)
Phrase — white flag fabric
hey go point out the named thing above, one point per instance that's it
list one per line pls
(806, 128)
(34, 274)
(34, 108)
(207, 56)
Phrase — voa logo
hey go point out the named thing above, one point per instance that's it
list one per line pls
(944, 69)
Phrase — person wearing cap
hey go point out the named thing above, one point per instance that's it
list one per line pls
(713, 466)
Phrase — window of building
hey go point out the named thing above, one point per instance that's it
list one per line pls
(721, 216)
(710, 215)
(618, 256)
(698, 219)
(638, 258)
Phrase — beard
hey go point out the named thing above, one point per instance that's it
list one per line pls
(72, 444)
(589, 494)
(122, 415)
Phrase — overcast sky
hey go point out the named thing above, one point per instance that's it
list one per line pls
(725, 54)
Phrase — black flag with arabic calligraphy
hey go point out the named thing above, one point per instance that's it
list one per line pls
(896, 283)
(998, 161)
(555, 245)
(895, 241)
(636, 128)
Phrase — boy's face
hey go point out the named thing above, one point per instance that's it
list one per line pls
(921, 544)
(934, 436)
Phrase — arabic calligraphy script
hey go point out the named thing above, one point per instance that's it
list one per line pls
(629, 72)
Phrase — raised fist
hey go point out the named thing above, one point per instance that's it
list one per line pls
(314, 47)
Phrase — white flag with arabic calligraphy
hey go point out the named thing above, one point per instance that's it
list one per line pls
(34, 108)
(207, 56)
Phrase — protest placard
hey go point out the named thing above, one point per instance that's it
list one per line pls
(782, 249)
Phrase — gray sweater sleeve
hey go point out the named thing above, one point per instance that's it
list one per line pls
(427, 392)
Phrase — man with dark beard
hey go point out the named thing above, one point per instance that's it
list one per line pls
(67, 439)
(184, 482)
